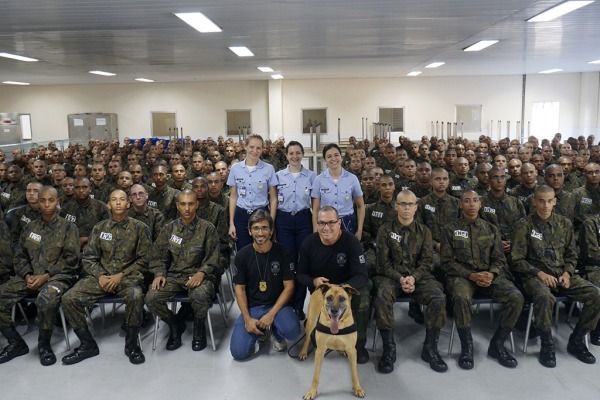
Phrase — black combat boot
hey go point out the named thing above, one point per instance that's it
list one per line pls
(87, 349)
(465, 360)
(430, 351)
(177, 327)
(498, 351)
(199, 340)
(16, 345)
(47, 356)
(547, 352)
(132, 347)
(414, 311)
(388, 358)
(362, 355)
(595, 335)
(577, 347)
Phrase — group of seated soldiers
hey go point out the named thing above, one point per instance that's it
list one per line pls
(444, 219)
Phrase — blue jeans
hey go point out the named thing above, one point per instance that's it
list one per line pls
(286, 325)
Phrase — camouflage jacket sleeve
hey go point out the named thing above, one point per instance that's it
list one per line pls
(142, 253)
(161, 256)
(68, 263)
(385, 260)
(6, 252)
(91, 262)
(21, 260)
(570, 255)
(519, 247)
(589, 243)
(425, 259)
(159, 223)
(368, 235)
(447, 259)
(498, 263)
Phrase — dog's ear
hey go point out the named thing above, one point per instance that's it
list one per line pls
(350, 290)
(323, 287)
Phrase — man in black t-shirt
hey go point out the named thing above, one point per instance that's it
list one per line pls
(336, 256)
(264, 283)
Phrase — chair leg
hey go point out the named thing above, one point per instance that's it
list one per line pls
(529, 319)
(140, 341)
(452, 337)
(491, 314)
(221, 297)
(210, 330)
(223, 310)
(155, 338)
(556, 310)
(512, 342)
(22, 311)
(570, 314)
(230, 281)
(64, 326)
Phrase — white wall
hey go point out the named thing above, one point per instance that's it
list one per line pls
(200, 105)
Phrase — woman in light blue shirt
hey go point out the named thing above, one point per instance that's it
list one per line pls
(253, 186)
(294, 218)
(338, 188)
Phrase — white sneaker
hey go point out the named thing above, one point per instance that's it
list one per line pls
(279, 346)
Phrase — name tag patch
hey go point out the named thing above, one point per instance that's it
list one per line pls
(585, 200)
(25, 219)
(105, 236)
(152, 203)
(430, 208)
(463, 234)
(536, 235)
(70, 218)
(176, 239)
(456, 188)
(377, 214)
(395, 236)
(489, 210)
(35, 237)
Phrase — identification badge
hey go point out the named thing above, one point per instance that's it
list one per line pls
(280, 198)
(307, 192)
(260, 185)
(176, 240)
(262, 286)
(347, 197)
(243, 191)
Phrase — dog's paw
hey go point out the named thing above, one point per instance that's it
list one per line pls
(311, 394)
(302, 356)
(359, 392)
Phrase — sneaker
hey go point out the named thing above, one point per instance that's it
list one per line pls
(279, 346)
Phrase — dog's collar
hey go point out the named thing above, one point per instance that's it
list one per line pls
(344, 331)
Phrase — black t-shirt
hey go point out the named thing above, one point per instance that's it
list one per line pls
(279, 267)
(341, 262)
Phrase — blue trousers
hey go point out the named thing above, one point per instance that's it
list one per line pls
(350, 223)
(286, 325)
(240, 221)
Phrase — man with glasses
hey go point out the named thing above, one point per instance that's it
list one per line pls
(264, 284)
(473, 256)
(152, 217)
(405, 265)
(335, 256)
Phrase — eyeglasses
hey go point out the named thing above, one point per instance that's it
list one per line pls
(406, 205)
(330, 224)
(594, 172)
(257, 229)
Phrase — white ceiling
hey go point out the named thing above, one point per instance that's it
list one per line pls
(299, 38)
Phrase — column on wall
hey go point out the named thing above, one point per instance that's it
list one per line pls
(589, 103)
(275, 108)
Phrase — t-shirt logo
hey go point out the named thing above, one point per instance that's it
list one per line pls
(489, 210)
(70, 218)
(35, 237)
(105, 236)
(463, 234)
(152, 203)
(292, 267)
(341, 259)
(176, 239)
(275, 268)
(536, 235)
(430, 208)
(361, 259)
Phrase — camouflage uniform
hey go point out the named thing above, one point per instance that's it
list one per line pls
(113, 247)
(420, 191)
(406, 251)
(164, 200)
(572, 182)
(512, 183)
(550, 247)
(179, 252)
(13, 195)
(44, 247)
(589, 245)
(482, 191)
(215, 214)
(523, 193)
(565, 205)
(387, 166)
(376, 215)
(185, 186)
(153, 219)
(6, 253)
(587, 203)
(22, 217)
(435, 212)
(370, 198)
(471, 247)
(403, 184)
(85, 215)
(504, 212)
(101, 192)
(458, 186)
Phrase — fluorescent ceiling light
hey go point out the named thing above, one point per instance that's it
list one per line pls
(559, 11)
(16, 83)
(199, 22)
(103, 73)
(482, 44)
(414, 73)
(18, 58)
(143, 80)
(265, 69)
(277, 76)
(551, 71)
(594, 62)
(242, 51)
(435, 64)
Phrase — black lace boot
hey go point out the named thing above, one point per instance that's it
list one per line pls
(47, 356)
(16, 345)
(388, 358)
(466, 360)
(430, 353)
(132, 347)
(87, 349)
(199, 340)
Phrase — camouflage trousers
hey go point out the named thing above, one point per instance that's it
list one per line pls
(428, 292)
(88, 291)
(201, 297)
(502, 291)
(371, 261)
(579, 290)
(594, 277)
(47, 303)
(361, 311)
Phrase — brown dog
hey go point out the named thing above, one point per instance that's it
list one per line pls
(331, 325)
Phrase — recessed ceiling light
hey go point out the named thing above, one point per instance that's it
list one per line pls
(16, 83)
(414, 73)
(482, 44)
(265, 69)
(277, 76)
(551, 71)
(103, 73)
(144, 80)
(199, 22)
(559, 11)
(241, 51)
(594, 62)
(17, 57)
(435, 64)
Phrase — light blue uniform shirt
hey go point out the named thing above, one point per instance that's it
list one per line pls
(252, 187)
(293, 194)
(339, 195)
